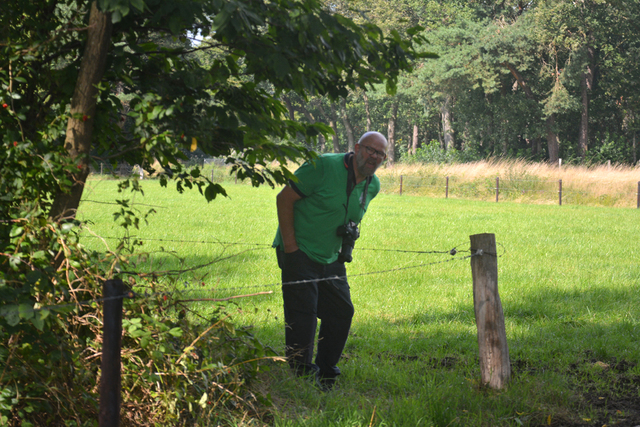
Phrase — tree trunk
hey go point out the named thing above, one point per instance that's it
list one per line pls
(414, 140)
(367, 111)
(391, 132)
(586, 84)
(83, 108)
(447, 130)
(583, 136)
(347, 125)
(287, 103)
(552, 140)
(634, 148)
(322, 142)
(307, 114)
(334, 126)
(551, 136)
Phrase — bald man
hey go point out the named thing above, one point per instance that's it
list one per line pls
(318, 215)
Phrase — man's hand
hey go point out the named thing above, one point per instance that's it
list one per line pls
(285, 201)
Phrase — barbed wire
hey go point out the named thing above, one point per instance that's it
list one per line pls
(266, 245)
(118, 204)
(452, 251)
(131, 294)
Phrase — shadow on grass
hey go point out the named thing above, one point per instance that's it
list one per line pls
(578, 363)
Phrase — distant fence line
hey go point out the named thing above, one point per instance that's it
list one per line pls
(124, 169)
(435, 186)
(496, 187)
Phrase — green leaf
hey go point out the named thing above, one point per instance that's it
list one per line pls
(25, 311)
(15, 261)
(10, 314)
(138, 4)
(67, 227)
(116, 16)
(176, 332)
(38, 322)
(203, 400)
(16, 231)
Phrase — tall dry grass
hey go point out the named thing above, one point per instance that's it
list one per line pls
(519, 181)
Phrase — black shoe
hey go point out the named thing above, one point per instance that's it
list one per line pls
(325, 384)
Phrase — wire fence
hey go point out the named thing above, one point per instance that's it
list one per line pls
(509, 188)
(193, 292)
(489, 319)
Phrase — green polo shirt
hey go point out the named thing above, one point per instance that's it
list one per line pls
(323, 187)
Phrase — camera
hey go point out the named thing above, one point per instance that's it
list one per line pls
(349, 233)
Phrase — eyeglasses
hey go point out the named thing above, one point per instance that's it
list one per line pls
(372, 151)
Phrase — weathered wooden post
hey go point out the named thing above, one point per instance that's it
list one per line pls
(111, 343)
(492, 337)
(560, 192)
(497, 187)
(401, 185)
(446, 191)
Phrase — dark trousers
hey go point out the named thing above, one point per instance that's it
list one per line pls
(325, 297)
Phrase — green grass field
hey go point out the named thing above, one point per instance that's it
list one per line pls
(569, 281)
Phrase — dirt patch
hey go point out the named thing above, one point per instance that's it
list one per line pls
(609, 389)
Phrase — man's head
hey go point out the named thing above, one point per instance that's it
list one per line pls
(370, 152)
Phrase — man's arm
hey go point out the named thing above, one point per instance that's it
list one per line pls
(285, 201)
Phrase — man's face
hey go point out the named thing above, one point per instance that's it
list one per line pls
(370, 154)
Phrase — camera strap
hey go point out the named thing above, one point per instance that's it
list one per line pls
(349, 163)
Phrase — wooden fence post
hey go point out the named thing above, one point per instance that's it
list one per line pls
(560, 192)
(446, 191)
(497, 187)
(111, 343)
(401, 185)
(495, 367)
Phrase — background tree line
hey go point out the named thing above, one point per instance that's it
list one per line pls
(539, 79)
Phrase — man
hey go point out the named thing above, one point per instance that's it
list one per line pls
(314, 212)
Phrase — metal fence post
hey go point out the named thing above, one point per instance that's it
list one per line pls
(497, 187)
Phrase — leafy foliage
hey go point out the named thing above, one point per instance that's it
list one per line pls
(160, 97)
(433, 153)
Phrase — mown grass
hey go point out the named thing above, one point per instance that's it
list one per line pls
(569, 280)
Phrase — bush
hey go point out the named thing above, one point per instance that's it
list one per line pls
(433, 153)
(177, 368)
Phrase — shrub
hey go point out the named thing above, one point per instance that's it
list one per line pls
(433, 153)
